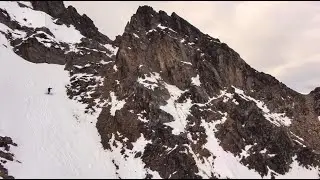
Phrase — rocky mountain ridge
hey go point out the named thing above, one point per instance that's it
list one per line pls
(191, 99)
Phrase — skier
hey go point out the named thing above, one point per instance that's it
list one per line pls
(49, 89)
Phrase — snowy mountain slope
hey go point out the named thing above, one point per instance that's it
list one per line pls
(163, 100)
(55, 138)
(35, 19)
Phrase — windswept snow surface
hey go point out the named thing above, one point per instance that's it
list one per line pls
(55, 138)
(36, 19)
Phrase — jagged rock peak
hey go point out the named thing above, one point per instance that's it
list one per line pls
(70, 16)
(315, 94)
(146, 18)
(145, 10)
(54, 8)
(315, 91)
(183, 23)
(141, 19)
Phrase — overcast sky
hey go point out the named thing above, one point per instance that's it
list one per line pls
(279, 38)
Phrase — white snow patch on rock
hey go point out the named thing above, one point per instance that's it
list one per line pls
(179, 111)
(196, 80)
(141, 118)
(189, 63)
(135, 35)
(225, 164)
(77, 66)
(235, 101)
(111, 48)
(263, 151)
(244, 152)
(36, 19)
(226, 96)
(115, 104)
(80, 49)
(277, 119)
(115, 68)
(164, 27)
(151, 81)
(131, 167)
(299, 141)
(297, 172)
(151, 30)
(21, 34)
(105, 62)
(190, 138)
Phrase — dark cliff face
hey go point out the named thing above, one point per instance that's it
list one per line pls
(156, 43)
(151, 33)
(315, 94)
(167, 72)
(180, 51)
(70, 16)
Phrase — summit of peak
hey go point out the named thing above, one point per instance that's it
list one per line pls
(146, 19)
(145, 9)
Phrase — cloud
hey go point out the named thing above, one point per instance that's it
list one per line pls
(279, 38)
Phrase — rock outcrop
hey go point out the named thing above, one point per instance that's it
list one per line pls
(5, 155)
(70, 16)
